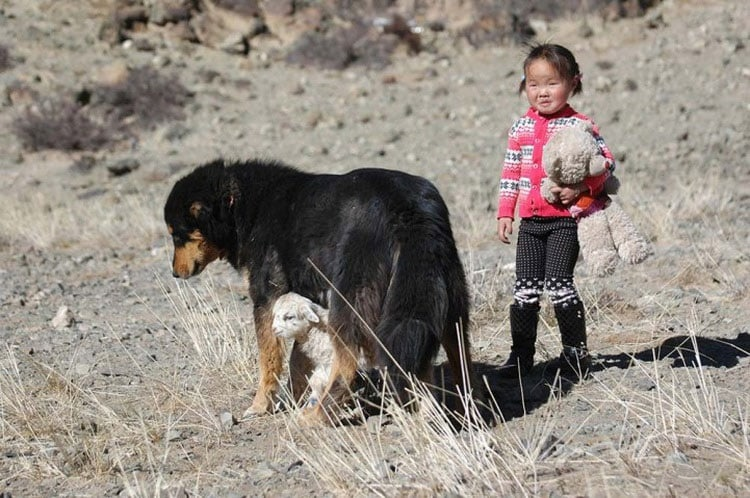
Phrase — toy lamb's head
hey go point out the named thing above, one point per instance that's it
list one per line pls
(571, 154)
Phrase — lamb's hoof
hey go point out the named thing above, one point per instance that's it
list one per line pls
(313, 416)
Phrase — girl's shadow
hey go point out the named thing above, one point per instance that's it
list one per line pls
(517, 397)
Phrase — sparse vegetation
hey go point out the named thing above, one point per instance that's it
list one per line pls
(140, 393)
(61, 124)
(98, 118)
(5, 59)
(146, 96)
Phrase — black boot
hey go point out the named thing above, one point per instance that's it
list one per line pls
(575, 360)
(523, 322)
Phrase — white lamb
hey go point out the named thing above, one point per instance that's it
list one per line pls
(296, 317)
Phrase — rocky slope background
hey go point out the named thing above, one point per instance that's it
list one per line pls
(116, 380)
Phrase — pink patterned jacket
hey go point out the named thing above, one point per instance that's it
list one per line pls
(521, 178)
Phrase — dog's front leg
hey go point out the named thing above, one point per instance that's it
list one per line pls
(270, 357)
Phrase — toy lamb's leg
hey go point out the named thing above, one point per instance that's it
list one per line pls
(597, 247)
(632, 247)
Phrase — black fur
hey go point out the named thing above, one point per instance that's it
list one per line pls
(382, 238)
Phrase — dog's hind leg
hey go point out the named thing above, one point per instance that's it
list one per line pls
(410, 345)
(271, 355)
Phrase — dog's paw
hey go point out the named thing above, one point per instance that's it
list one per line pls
(262, 405)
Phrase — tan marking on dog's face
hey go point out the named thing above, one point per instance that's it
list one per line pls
(192, 257)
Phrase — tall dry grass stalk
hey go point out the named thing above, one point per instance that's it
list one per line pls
(219, 335)
(404, 453)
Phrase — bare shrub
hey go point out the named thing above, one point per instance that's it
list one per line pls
(245, 7)
(317, 50)
(357, 45)
(145, 95)
(60, 124)
(5, 59)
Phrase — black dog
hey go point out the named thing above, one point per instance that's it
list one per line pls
(378, 242)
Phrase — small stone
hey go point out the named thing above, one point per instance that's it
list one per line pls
(63, 318)
(227, 420)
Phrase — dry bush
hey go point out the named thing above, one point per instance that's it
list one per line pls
(5, 59)
(61, 124)
(343, 48)
(146, 96)
(104, 115)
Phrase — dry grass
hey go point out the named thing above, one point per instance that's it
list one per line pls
(45, 220)
(56, 427)
(677, 423)
(645, 428)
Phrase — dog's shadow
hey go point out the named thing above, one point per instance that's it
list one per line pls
(517, 397)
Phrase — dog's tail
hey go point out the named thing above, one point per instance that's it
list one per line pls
(426, 303)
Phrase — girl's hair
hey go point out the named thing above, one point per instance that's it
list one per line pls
(558, 57)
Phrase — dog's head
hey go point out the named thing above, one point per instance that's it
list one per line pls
(198, 217)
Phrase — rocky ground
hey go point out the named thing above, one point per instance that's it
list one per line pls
(105, 388)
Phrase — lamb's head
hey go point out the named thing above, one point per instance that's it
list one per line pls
(294, 315)
(568, 154)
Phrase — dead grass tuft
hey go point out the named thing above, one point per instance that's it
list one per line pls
(61, 124)
(5, 59)
(146, 96)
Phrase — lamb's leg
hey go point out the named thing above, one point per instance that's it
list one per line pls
(343, 371)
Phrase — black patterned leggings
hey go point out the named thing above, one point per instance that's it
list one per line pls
(545, 259)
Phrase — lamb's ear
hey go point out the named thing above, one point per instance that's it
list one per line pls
(309, 314)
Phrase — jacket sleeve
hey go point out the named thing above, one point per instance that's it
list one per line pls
(509, 178)
(596, 183)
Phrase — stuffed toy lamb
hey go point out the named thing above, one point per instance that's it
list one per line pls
(608, 234)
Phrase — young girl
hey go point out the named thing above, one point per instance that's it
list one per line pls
(547, 236)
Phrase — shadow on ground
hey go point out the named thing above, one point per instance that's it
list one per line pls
(517, 397)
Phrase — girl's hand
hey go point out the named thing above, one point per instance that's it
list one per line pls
(504, 228)
(568, 194)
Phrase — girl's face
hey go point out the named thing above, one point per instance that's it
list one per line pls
(546, 90)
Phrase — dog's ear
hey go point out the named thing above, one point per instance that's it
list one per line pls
(197, 209)
(227, 204)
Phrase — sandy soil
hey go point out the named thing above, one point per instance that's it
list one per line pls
(671, 93)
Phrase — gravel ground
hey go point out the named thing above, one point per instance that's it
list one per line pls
(86, 294)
